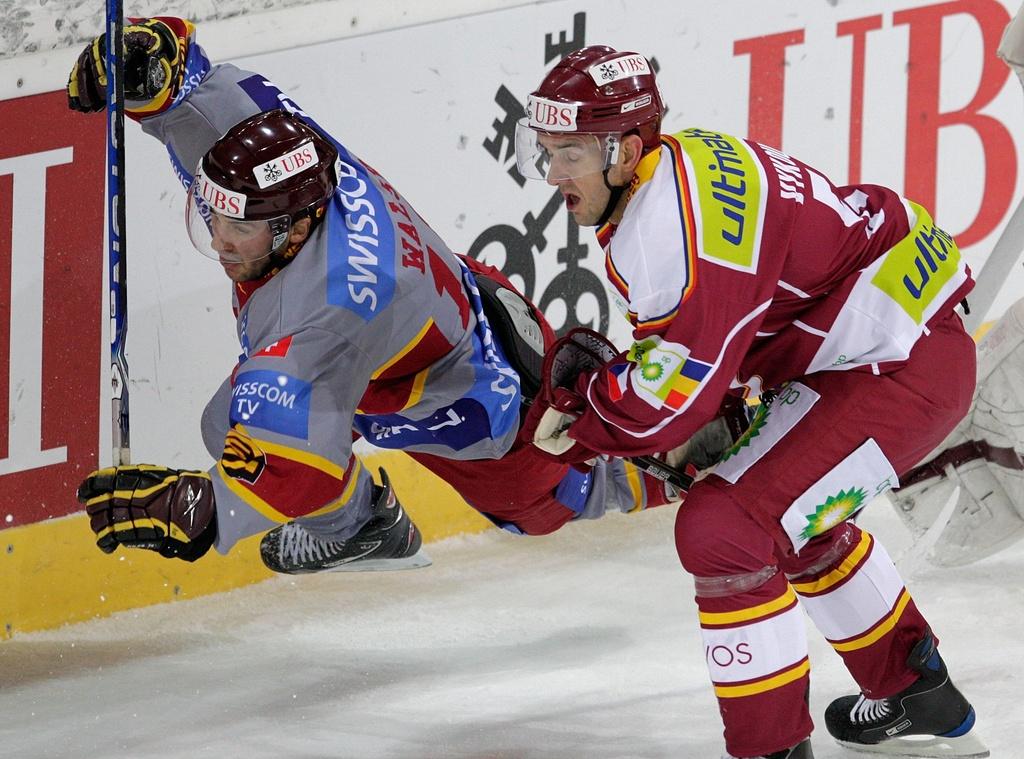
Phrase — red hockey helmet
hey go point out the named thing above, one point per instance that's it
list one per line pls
(262, 176)
(593, 91)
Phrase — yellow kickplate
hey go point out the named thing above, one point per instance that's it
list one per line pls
(52, 573)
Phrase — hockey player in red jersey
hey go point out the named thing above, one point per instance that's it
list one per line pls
(354, 319)
(745, 271)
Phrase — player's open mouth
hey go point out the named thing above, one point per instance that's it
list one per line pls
(571, 201)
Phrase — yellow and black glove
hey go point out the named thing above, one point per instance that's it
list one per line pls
(169, 511)
(152, 66)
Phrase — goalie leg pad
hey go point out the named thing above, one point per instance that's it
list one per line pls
(986, 517)
(981, 457)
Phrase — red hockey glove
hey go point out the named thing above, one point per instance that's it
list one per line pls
(558, 404)
(152, 64)
(164, 510)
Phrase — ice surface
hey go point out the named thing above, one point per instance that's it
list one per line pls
(581, 644)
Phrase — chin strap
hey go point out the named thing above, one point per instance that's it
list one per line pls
(280, 258)
(613, 199)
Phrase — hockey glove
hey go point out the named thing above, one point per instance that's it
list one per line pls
(164, 510)
(558, 404)
(709, 444)
(152, 64)
(681, 466)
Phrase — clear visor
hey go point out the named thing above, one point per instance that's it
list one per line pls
(229, 240)
(555, 157)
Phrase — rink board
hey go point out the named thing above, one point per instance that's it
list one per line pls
(63, 578)
(858, 97)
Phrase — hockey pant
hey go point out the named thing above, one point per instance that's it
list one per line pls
(525, 491)
(771, 526)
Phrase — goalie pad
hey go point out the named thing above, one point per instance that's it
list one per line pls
(979, 464)
(1011, 46)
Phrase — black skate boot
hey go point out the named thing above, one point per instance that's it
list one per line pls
(802, 750)
(389, 540)
(930, 718)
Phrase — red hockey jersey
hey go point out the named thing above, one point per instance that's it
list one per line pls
(742, 267)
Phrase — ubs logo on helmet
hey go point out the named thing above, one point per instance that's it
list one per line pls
(551, 116)
(630, 64)
(220, 199)
(278, 169)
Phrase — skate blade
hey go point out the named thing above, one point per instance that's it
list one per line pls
(967, 746)
(417, 560)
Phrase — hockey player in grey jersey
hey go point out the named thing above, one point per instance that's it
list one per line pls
(354, 319)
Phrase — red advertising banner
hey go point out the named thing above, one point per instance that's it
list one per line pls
(51, 278)
(925, 118)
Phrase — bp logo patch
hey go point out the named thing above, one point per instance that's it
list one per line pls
(656, 360)
(835, 510)
(841, 493)
(665, 375)
(651, 371)
(756, 425)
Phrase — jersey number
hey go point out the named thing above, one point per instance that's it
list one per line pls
(446, 282)
(850, 209)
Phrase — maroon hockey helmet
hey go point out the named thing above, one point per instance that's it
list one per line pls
(595, 91)
(266, 172)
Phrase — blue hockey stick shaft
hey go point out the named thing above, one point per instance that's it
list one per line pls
(116, 260)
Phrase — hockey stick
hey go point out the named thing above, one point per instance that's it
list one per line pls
(1007, 250)
(662, 471)
(116, 261)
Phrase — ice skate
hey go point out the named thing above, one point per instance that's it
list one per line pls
(800, 751)
(930, 718)
(388, 541)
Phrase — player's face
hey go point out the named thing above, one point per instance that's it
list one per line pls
(586, 195)
(242, 246)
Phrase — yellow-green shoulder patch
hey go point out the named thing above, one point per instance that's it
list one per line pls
(916, 268)
(731, 192)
